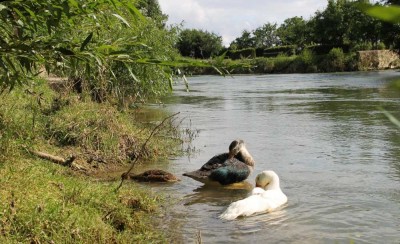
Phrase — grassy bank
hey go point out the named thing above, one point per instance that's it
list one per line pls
(43, 202)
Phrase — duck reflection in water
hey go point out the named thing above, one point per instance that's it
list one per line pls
(216, 193)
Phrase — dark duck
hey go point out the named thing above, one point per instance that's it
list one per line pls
(226, 168)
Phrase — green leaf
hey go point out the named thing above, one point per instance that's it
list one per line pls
(86, 41)
(170, 83)
(134, 11)
(131, 73)
(73, 3)
(122, 19)
(2, 7)
(385, 13)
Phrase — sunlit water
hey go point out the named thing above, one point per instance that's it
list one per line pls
(324, 134)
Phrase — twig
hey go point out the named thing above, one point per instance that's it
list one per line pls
(125, 175)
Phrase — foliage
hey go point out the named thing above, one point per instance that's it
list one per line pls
(42, 202)
(199, 44)
(390, 29)
(325, 49)
(262, 37)
(386, 13)
(107, 46)
(246, 40)
(242, 53)
(340, 24)
(280, 50)
(266, 36)
(294, 31)
(152, 9)
(334, 61)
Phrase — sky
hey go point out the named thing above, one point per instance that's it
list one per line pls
(228, 18)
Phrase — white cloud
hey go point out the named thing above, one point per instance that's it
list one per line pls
(228, 18)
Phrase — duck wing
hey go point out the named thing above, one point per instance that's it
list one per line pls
(231, 171)
(205, 170)
(215, 162)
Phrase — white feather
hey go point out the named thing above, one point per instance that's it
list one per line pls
(265, 198)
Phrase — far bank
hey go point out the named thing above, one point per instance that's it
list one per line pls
(306, 62)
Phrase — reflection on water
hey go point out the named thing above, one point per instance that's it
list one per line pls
(217, 194)
(324, 134)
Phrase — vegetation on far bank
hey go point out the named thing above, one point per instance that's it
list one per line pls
(328, 41)
(306, 62)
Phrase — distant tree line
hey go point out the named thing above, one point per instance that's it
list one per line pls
(340, 25)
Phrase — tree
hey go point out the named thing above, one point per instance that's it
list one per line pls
(266, 36)
(294, 31)
(199, 44)
(329, 25)
(151, 9)
(391, 22)
(262, 37)
(361, 28)
(246, 40)
(343, 23)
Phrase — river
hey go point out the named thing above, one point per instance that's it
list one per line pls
(325, 135)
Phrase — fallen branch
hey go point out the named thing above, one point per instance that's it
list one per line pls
(125, 175)
(54, 159)
(68, 162)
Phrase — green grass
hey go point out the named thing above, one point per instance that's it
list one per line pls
(42, 202)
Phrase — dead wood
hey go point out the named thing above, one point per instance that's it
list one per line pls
(68, 162)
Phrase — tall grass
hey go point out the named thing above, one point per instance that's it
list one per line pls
(42, 202)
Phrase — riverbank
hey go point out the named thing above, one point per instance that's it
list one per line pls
(42, 201)
(306, 62)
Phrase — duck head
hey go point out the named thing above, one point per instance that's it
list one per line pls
(235, 147)
(267, 180)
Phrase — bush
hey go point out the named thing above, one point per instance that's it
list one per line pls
(334, 61)
(325, 49)
(380, 46)
(280, 50)
(363, 46)
(304, 63)
(242, 53)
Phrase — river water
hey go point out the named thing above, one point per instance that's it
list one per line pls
(337, 156)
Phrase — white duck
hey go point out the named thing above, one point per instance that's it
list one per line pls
(266, 196)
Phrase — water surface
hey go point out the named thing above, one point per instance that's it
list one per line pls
(324, 134)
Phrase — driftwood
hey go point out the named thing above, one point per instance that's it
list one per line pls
(68, 162)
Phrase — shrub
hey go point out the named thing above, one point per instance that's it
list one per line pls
(334, 61)
(280, 50)
(363, 46)
(325, 49)
(380, 46)
(242, 53)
